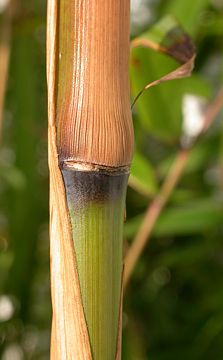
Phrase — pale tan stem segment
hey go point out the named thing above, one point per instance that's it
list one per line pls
(69, 338)
(94, 122)
(5, 47)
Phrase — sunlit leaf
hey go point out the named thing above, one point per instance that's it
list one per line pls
(142, 178)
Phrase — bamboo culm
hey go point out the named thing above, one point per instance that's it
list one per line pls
(90, 150)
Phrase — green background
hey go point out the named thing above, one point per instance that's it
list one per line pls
(173, 307)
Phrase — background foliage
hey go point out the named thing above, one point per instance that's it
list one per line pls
(173, 305)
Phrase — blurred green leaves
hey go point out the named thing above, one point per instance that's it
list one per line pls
(180, 318)
(193, 217)
(23, 186)
(142, 177)
(187, 12)
(184, 313)
(12, 176)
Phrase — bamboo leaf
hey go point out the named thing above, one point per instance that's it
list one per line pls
(169, 38)
(160, 121)
(187, 255)
(142, 178)
(192, 218)
(187, 12)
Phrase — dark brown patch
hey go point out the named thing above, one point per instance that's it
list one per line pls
(93, 186)
(178, 45)
(136, 62)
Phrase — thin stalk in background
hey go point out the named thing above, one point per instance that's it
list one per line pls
(5, 48)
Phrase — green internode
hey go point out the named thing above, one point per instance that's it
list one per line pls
(96, 205)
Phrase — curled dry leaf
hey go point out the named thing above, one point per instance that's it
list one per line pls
(169, 38)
